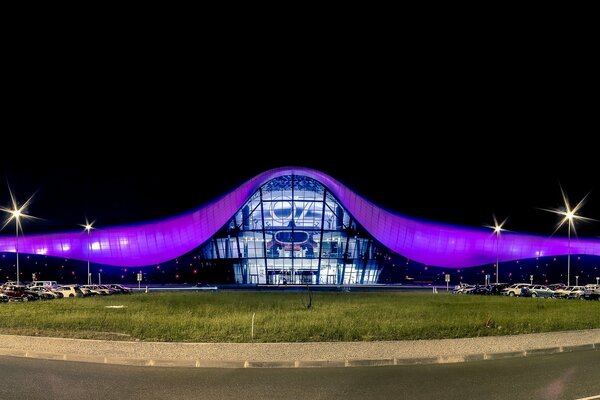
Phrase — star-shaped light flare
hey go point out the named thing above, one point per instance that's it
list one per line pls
(16, 212)
(498, 228)
(569, 213)
(88, 226)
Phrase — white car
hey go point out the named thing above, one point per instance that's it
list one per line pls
(592, 292)
(516, 289)
(46, 284)
(577, 292)
(69, 291)
(565, 293)
(97, 290)
(45, 292)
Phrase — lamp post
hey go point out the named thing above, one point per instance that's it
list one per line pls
(16, 213)
(598, 280)
(569, 216)
(497, 230)
(576, 280)
(17, 216)
(88, 228)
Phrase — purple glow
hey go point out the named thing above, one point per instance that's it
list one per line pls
(422, 241)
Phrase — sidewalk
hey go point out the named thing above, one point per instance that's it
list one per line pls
(290, 355)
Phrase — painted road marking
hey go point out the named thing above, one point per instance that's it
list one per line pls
(589, 398)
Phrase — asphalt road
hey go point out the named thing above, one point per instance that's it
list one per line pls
(558, 376)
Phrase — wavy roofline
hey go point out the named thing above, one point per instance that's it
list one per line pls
(427, 242)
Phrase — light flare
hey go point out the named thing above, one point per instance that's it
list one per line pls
(569, 214)
(88, 226)
(16, 212)
(497, 227)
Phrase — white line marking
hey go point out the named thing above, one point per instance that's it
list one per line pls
(589, 398)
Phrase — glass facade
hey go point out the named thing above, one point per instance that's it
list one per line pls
(292, 230)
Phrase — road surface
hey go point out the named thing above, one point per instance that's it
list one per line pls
(559, 376)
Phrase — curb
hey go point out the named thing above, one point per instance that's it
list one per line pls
(141, 362)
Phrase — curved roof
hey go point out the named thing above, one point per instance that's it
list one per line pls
(423, 241)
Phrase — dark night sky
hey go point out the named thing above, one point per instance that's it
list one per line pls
(447, 183)
(469, 145)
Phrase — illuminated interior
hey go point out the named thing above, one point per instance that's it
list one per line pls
(293, 230)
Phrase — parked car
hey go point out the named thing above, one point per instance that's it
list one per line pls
(70, 291)
(463, 288)
(516, 289)
(109, 289)
(577, 292)
(15, 292)
(541, 291)
(120, 288)
(45, 293)
(484, 289)
(205, 286)
(49, 284)
(570, 292)
(95, 290)
(556, 286)
(87, 292)
(497, 288)
(591, 292)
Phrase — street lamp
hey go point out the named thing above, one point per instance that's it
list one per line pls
(88, 227)
(16, 213)
(497, 230)
(576, 280)
(569, 215)
(598, 280)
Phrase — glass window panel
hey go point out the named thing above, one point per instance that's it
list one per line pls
(292, 237)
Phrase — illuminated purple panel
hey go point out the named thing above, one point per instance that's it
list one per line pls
(426, 242)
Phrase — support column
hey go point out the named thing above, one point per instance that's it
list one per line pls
(216, 244)
(262, 216)
(365, 262)
(321, 240)
(293, 223)
(344, 260)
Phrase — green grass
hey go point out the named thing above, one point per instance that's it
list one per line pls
(282, 317)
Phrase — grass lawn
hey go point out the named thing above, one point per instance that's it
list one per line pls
(283, 317)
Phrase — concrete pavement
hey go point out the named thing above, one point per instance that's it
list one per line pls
(290, 355)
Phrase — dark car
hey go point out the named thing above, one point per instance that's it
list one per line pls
(496, 288)
(15, 292)
(120, 288)
(485, 290)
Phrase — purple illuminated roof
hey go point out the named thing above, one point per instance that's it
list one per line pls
(422, 241)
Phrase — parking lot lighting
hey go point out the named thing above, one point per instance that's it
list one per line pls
(497, 230)
(16, 213)
(88, 227)
(569, 216)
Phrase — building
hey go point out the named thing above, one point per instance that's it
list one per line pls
(296, 225)
(293, 230)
